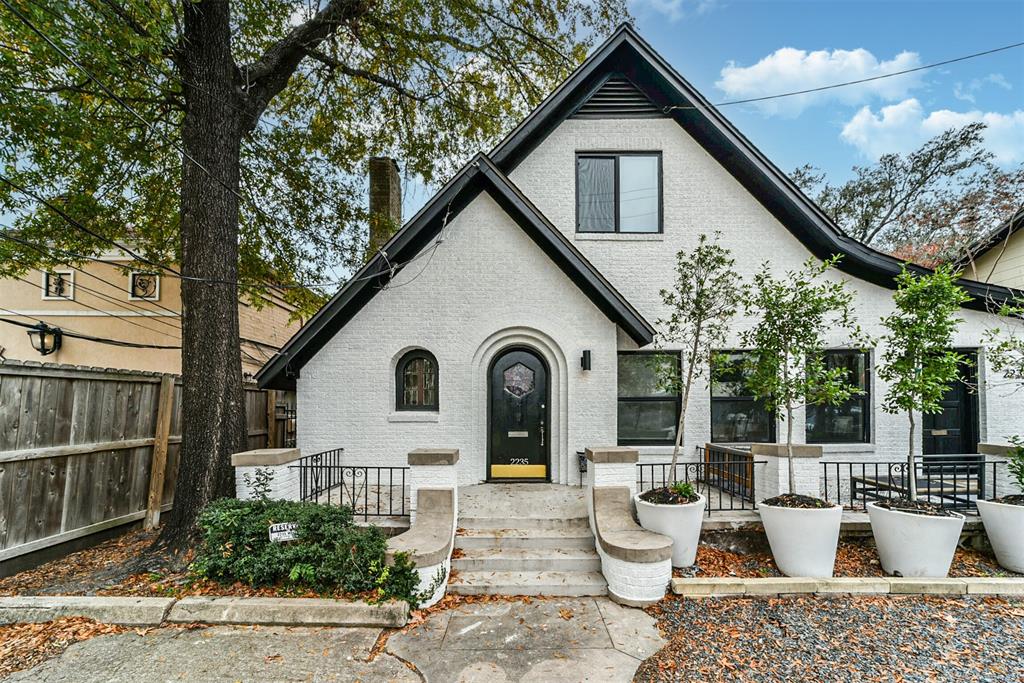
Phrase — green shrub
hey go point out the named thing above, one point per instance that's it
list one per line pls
(331, 554)
(1016, 460)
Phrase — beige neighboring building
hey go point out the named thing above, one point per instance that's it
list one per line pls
(102, 300)
(999, 258)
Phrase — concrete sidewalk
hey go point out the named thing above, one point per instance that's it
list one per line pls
(566, 639)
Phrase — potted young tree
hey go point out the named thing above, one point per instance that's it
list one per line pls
(701, 304)
(1004, 517)
(787, 370)
(917, 537)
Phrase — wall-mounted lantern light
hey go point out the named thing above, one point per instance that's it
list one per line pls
(45, 339)
(585, 360)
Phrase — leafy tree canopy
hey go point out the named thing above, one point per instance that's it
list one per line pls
(927, 206)
(424, 81)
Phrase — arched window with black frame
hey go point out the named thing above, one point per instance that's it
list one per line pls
(416, 381)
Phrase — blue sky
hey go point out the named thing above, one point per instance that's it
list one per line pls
(701, 38)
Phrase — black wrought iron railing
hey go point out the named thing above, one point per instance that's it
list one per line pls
(724, 475)
(369, 491)
(955, 482)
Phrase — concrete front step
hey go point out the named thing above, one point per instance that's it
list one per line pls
(528, 559)
(524, 523)
(528, 583)
(524, 538)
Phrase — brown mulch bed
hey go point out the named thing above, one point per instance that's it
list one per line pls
(106, 570)
(22, 646)
(852, 559)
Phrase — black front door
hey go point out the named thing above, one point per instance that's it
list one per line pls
(518, 425)
(954, 431)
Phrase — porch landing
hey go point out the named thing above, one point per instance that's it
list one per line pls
(525, 539)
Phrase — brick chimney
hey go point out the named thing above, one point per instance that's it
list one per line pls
(385, 202)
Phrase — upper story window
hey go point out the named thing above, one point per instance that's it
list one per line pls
(416, 381)
(145, 286)
(58, 284)
(618, 192)
(736, 416)
(648, 406)
(848, 422)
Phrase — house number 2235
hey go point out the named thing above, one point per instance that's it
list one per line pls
(520, 461)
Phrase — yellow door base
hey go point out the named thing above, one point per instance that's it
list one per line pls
(519, 471)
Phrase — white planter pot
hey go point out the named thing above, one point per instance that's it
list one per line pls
(1004, 525)
(914, 545)
(803, 541)
(681, 523)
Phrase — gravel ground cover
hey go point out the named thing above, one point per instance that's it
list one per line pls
(853, 558)
(902, 639)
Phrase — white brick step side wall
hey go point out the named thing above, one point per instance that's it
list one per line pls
(524, 538)
(528, 583)
(528, 559)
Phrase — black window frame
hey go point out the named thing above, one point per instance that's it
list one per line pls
(403, 362)
(616, 156)
(773, 421)
(865, 398)
(676, 398)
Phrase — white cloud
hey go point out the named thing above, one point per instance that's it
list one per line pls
(904, 126)
(966, 92)
(674, 10)
(788, 69)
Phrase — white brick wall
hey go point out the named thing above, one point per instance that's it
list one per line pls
(700, 196)
(284, 485)
(432, 477)
(636, 581)
(772, 478)
(488, 285)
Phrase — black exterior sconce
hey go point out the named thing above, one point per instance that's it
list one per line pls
(585, 360)
(44, 339)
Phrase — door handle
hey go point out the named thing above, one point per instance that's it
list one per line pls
(542, 406)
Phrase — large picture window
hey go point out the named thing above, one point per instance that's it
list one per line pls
(736, 416)
(416, 381)
(648, 409)
(848, 422)
(618, 192)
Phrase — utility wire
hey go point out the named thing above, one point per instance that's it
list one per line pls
(858, 81)
(67, 332)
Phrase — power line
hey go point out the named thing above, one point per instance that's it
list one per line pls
(858, 81)
(67, 332)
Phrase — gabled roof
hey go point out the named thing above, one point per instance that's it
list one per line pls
(626, 55)
(479, 175)
(624, 60)
(996, 239)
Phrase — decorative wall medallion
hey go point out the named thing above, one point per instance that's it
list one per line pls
(519, 380)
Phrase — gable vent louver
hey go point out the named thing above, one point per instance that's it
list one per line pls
(618, 98)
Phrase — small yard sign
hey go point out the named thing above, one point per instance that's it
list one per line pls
(286, 531)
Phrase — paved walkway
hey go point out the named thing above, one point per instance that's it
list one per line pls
(571, 639)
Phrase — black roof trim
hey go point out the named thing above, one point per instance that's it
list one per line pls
(625, 52)
(480, 175)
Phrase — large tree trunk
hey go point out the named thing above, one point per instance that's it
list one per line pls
(213, 406)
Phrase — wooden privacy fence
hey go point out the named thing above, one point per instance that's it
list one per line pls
(83, 450)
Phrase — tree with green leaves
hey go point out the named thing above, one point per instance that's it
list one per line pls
(228, 138)
(926, 206)
(919, 363)
(701, 305)
(786, 368)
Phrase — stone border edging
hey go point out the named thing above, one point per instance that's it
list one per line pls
(138, 611)
(873, 585)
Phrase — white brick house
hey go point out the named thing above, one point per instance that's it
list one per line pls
(547, 254)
